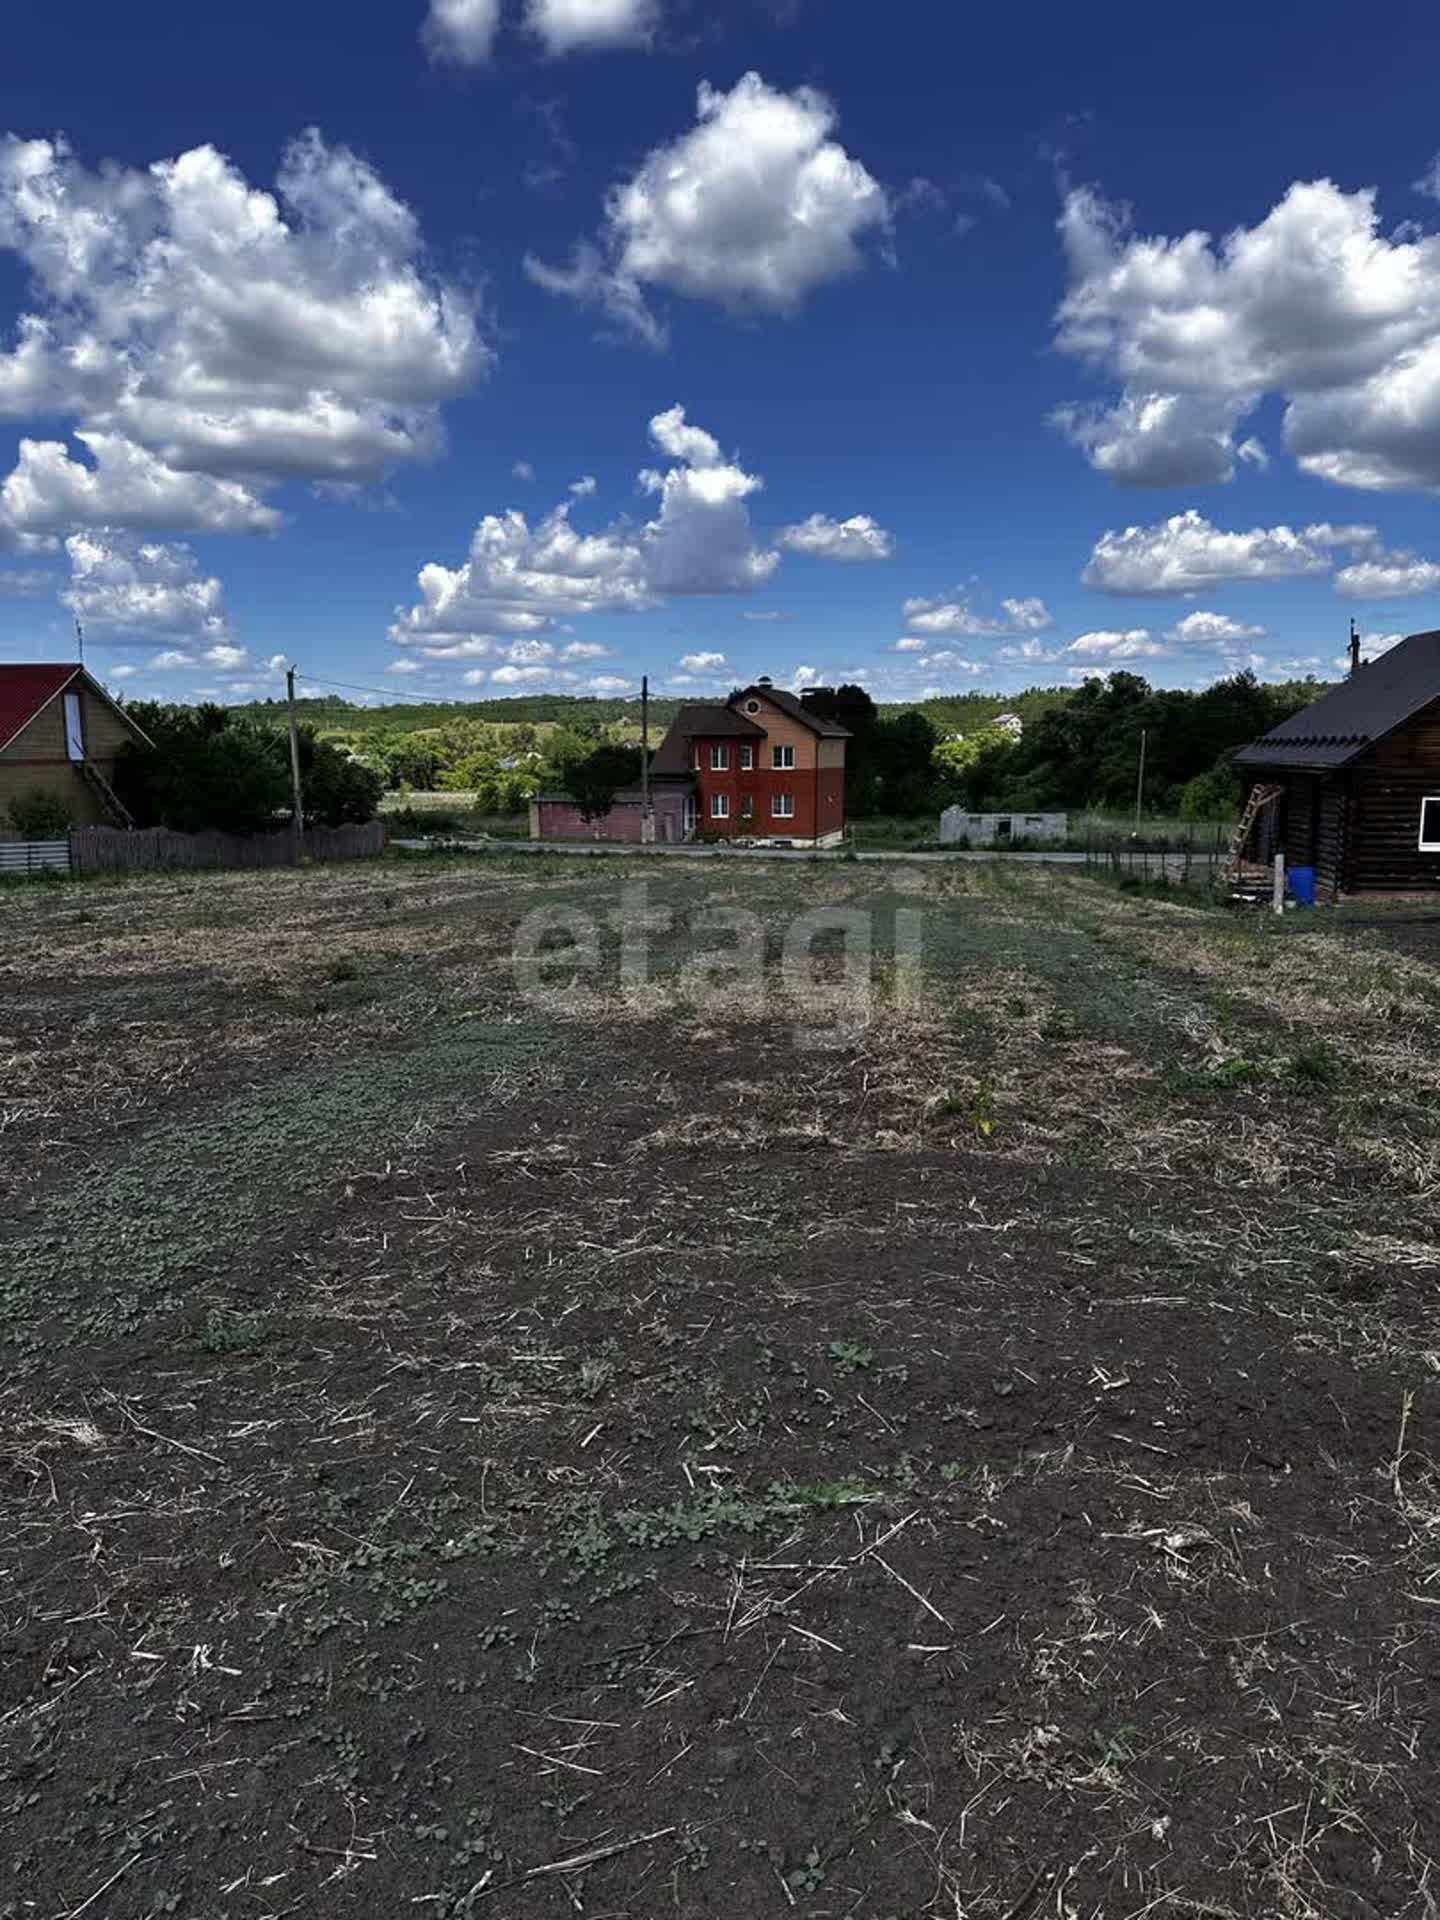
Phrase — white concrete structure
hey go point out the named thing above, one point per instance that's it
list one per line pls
(997, 829)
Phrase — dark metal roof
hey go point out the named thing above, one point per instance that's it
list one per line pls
(797, 710)
(699, 723)
(1341, 724)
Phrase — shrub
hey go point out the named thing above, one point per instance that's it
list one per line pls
(40, 815)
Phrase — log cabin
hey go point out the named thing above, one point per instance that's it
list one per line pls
(1350, 785)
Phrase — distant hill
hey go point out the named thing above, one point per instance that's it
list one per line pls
(954, 713)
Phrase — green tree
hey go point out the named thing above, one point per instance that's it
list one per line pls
(594, 781)
(210, 768)
(1211, 796)
(954, 762)
(206, 768)
(336, 789)
(411, 762)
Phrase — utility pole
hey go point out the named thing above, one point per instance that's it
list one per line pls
(647, 825)
(297, 820)
(80, 639)
(1140, 782)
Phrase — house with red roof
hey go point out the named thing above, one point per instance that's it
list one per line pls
(762, 767)
(60, 733)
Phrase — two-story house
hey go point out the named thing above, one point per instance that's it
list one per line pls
(761, 767)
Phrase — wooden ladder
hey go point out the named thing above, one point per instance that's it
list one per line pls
(111, 800)
(1255, 805)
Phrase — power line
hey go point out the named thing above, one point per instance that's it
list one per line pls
(384, 693)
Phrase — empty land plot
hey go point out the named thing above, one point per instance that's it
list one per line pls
(648, 1447)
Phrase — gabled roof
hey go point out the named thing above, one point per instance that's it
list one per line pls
(1339, 726)
(796, 709)
(26, 691)
(699, 723)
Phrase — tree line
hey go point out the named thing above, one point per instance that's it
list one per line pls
(1077, 749)
(1080, 751)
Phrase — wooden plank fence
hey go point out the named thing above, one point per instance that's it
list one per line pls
(114, 850)
(34, 856)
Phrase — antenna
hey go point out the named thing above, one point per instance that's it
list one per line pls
(1354, 648)
(80, 636)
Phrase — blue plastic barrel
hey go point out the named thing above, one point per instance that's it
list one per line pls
(1301, 881)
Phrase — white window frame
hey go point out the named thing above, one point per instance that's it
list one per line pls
(692, 813)
(719, 806)
(747, 759)
(719, 759)
(74, 727)
(1428, 846)
(752, 706)
(782, 806)
(783, 759)
(699, 756)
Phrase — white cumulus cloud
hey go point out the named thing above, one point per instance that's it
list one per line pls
(753, 209)
(1387, 575)
(462, 30)
(1316, 303)
(523, 578)
(49, 491)
(858, 538)
(573, 26)
(1187, 554)
(957, 616)
(207, 339)
(1203, 629)
(704, 663)
(123, 589)
(1133, 644)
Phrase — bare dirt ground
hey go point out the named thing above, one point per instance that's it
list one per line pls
(637, 1453)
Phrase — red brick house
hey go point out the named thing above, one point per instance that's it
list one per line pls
(761, 767)
(59, 734)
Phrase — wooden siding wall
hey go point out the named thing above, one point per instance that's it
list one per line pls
(1299, 819)
(1309, 826)
(1387, 787)
(19, 779)
(1385, 831)
(1330, 877)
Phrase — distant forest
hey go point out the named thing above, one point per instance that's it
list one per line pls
(1078, 747)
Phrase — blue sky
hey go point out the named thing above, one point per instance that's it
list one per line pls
(474, 347)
